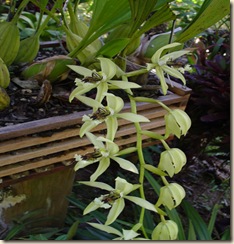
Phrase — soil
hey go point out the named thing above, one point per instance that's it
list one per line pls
(24, 96)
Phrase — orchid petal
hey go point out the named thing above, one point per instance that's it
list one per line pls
(106, 228)
(125, 164)
(125, 187)
(96, 184)
(88, 126)
(133, 117)
(174, 55)
(155, 58)
(89, 101)
(102, 167)
(102, 88)
(141, 202)
(81, 70)
(82, 164)
(114, 102)
(173, 72)
(95, 142)
(108, 67)
(90, 208)
(160, 74)
(112, 126)
(124, 84)
(129, 234)
(115, 211)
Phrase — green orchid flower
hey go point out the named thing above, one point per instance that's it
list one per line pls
(177, 123)
(101, 80)
(116, 198)
(172, 160)
(171, 195)
(125, 235)
(161, 64)
(104, 151)
(165, 230)
(110, 114)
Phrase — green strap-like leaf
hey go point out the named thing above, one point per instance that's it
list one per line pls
(200, 226)
(209, 14)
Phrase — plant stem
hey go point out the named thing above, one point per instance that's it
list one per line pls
(19, 10)
(165, 182)
(140, 157)
(165, 144)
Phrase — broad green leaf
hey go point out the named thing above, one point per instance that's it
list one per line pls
(140, 10)
(107, 14)
(161, 16)
(113, 47)
(209, 14)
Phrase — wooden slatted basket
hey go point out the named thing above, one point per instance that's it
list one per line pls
(38, 156)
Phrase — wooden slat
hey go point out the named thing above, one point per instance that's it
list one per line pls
(37, 163)
(75, 118)
(23, 149)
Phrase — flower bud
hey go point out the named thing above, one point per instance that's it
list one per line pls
(166, 230)
(172, 161)
(171, 195)
(177, 123)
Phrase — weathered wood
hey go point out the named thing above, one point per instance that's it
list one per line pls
(45, 199)
(37, 158)
(35, 150)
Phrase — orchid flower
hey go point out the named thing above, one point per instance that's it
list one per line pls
(101, 80)
(125, 235)
(171, 195)
(104, 151)
(161, 66)
(177, 122)
(165, 230)
(109, 114)
(116, 198)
